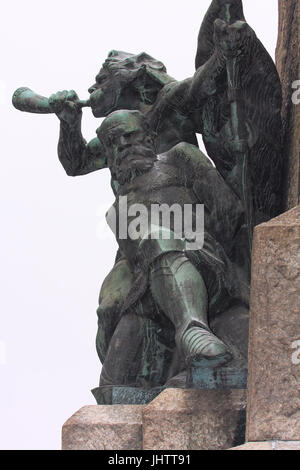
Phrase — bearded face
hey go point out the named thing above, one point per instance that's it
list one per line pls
(134, 162)
(129, 144)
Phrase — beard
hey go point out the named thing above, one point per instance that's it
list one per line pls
(134, 162)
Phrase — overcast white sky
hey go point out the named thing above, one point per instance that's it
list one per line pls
(52, 259)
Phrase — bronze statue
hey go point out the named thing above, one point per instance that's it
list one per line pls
(183, 285)
(234, 101)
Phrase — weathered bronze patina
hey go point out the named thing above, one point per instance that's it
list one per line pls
(164, 309)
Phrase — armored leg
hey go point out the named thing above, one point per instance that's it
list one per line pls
(146, 361)
(179, 290)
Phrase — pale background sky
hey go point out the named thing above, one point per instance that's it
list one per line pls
(52, 257)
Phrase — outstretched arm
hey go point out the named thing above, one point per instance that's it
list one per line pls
(76, 156)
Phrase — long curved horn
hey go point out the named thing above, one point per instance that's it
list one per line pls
(27, 100)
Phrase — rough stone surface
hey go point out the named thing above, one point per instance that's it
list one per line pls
(270, 445)
(286, 445)
(116, 427)
(195, 420)
(254, 446)
(273, 411)
(288, 65)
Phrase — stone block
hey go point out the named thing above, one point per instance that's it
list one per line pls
(286, 445)
(254, 446)
(116, 427)
(269, 445)
(273, 411)
(181, 419)
(288, 66)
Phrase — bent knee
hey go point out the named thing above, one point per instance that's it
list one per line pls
(116, 286)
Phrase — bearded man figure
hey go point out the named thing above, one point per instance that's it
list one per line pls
(170, 282)
(234, 101)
